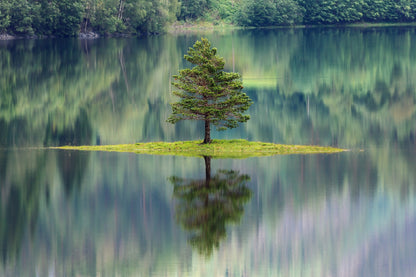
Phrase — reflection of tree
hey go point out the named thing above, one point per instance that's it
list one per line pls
(207, 205)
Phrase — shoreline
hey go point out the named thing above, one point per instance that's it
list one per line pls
(189, 27)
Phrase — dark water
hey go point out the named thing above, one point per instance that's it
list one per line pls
(68, 213)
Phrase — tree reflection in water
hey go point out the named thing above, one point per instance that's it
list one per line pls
(205, 206)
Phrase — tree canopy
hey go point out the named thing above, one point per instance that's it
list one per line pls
(136, 17)
(209, 93)
(70, 17)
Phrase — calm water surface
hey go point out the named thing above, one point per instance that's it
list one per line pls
(68, 213)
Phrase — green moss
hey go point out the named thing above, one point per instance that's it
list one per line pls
(217, 149)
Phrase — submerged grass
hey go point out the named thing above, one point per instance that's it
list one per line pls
(238, 148)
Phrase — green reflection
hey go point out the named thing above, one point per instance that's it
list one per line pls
(27, 190)
(87, 213)
(346, 87)
(207, 205)
(113, 214)
(67, 91)
(22, 192)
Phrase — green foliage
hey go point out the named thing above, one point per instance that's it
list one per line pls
(223, 10)
(391, 11)
(68, 18)
(213, 11)
(288, 12)
(100, 16)
(209, 93)
(256, 13)
(20, 17)
(135, 13)
(47, 19)
(269, 12)
(192, 9)
(348, 11)
(332, 11)
(4, 16)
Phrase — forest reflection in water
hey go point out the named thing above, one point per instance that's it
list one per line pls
(59, 217)
(347, 87)
(125, 213)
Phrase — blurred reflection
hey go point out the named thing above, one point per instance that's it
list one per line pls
(72, 166)
(205, 206)
(21, 192)
(110, 214)
(78, 134)
(348, 87)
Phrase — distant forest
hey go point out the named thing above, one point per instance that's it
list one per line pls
(137, 17)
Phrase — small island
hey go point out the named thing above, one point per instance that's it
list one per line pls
(237, 148)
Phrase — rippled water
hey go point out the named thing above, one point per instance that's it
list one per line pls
(69, 213)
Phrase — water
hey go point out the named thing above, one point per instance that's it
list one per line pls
(68, 213)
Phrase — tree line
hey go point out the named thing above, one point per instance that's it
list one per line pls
(310, 12)
(70, 17)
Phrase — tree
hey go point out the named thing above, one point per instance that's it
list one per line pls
(209, 93)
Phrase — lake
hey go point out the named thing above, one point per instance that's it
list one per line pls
(70, 213)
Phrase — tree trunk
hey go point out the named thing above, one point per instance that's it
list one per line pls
(120, 9)
(207, 138)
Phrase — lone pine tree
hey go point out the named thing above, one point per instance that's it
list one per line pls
(209, 93)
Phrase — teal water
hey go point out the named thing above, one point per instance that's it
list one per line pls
(68, 213)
